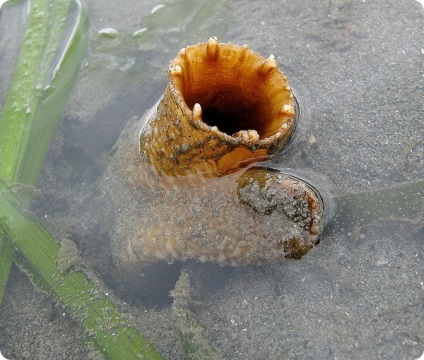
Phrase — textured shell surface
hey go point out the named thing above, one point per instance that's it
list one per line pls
(202, 196)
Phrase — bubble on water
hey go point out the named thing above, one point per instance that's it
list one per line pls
(156, 8)
(109, 33)
(139, 32)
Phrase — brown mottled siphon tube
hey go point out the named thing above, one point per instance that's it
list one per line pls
(225, 108)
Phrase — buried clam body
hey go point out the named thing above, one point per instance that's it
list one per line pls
(225, 108)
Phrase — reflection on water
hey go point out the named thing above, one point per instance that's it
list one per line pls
(353, 65)
(12, 22)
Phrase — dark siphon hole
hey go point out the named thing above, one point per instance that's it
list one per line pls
(227, 123)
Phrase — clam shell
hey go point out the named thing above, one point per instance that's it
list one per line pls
(225, 107)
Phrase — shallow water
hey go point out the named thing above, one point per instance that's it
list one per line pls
(356, 69)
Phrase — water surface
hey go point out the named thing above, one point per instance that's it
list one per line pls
(356, 69)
